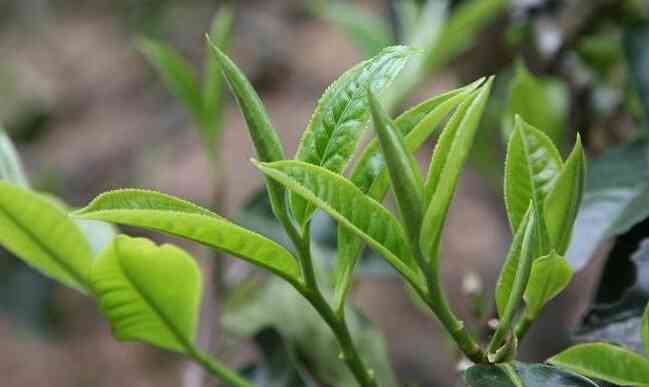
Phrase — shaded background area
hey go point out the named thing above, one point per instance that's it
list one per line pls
(89, 114)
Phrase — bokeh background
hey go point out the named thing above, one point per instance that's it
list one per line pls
(88, 113)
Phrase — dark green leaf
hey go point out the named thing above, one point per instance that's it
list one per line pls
(636, 50)
(530, 375)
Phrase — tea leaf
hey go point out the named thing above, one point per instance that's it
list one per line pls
(354, 210)
(176, 73)
(149, 293)
(402, 168)
(550, 275)
(11, 168)
(341, 116)
(519, 374)
(164, 213)
(371, 177)
(607, 362)
(39, 232)
(531, 169)
(563, 201)
(262, 133)
(450, 154)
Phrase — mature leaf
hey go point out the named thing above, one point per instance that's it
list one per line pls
(176, 73)
(263, 135)
(606, 362)
(550, 275)
(368, 32)
(149, 293)
(402, 168)
(343, 201)
(371, 176)
(532, 167)
(517, 263)
(221, 35)
(164, 213)
(636, 51)
(519, 374)
(341, 116)
(563, 201)
(615, 198)
(38, 230)
(11, 168)
(450, 154)
(541, 102)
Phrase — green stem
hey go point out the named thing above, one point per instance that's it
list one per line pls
(216, 369)
(522, 326)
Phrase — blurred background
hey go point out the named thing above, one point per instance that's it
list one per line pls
(89, 112)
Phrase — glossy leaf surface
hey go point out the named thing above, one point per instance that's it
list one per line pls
(550, 275)
(164, 213)
(149, 293)
(606, 362)
(526, 375)
(11, 167)
(562, 203)
(450, 154)
(39, 231)
(354, 210)
(342, 115)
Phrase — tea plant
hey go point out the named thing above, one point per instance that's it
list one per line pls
(152, 293)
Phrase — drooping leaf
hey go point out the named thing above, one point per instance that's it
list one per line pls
(149, 293)
(541, 102)
(402, 168)
(615, 197)
(607, 362)
(532, 167)
(550, 275)
(526, 375)
(342, 115)
(371, 176)
(164, 213)
(343, 201)
(450, 154)
(39, 232)
(636, 52)
(176, 73)
(213, 85)
(11, 168)
(563, 201)
(263, 135)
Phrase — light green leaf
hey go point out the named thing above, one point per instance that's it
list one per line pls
(518, 262)
(550, 275)
(532, 166)
(371, 177)
(607, 362)
(221, 35)
(177, 75)
(563, 201)
(402, 168)
(645, 330)
(343, 201)
(98, 234)
(11, 168)
(450, 154)
(262, 133)
(149, 293)
(541, 102)
(164, 213)
(39, 232)
(342, 115)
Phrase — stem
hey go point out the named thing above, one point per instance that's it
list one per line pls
(215, 368)
(523, 325)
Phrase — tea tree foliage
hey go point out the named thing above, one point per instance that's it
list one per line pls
(152, 293)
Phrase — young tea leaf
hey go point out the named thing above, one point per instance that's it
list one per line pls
(450, 154)
(149, 293)
(39, 232)
(342, 115)
(164, 213)
(606, 362)
(550, 275)
(11, 168)
(402, 168)
(563, 201)
(645, 330)
(343, 201)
